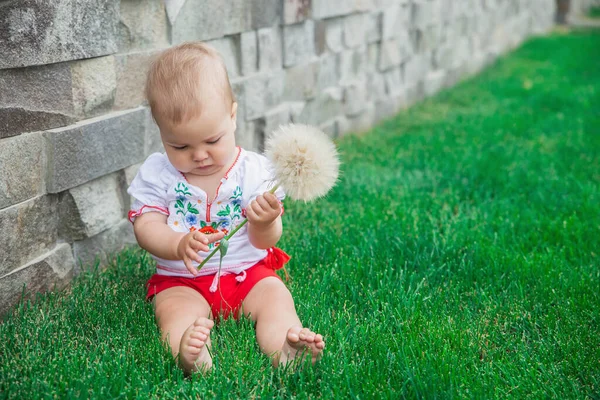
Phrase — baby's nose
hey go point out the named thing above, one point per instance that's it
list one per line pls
(200, 155)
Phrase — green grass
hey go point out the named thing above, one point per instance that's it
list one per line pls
(594, 12)
(457, 257)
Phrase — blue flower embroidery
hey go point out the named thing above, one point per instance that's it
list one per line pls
(224, 223)
(191, 219)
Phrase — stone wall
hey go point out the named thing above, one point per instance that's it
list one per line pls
(74, 127)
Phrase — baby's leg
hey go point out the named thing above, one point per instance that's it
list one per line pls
(279, 331)
(182, 313)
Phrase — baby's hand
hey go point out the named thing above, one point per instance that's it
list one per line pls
(264, 210)
(191, 244)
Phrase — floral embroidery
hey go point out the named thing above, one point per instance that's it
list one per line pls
(184, 207)
(229, 215)
(208, 229)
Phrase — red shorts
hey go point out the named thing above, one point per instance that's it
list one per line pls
(230, 293)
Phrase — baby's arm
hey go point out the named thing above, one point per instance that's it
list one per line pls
(154, 235)
(264, 221)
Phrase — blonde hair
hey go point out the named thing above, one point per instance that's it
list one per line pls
(179, 77)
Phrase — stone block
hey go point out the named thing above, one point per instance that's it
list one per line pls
(173, 8)
(34, 32)
(405, 44)
(52, 271)
(296, 108)
(388, 107)
(373, 56)
(152, 141)
(205, 19)
(270, 51)
(266, 13)
(328, 73)
(94, 85)
(21, 162)
(131, 70)
(79, 153)
(229, 49)
(263, 92)
(443, 57)
(330, 128)
(35, 98)
(328, 104)
(238, 86)
(355, 30)
(355, 98)
(27, 230)
(394, 84)
(426, 13)
(276, 117)
(415, 69)
(477, 62)
(361, 122)
(243, 132)
(254, 97)
(389, 21)
(143, 25)
(329, 35)
(248, 53)
(395, 18)
(91, 208)
(430, 38)
(434, 81)
(298, 43)
(376, 85)
(248, 134)
(301, 81)
(295, 11)
(373, 28)
(364, 5)
(99, 248)
(128, 174)
(304, 81)
(331, 8)
(352, 63)
(389, 55)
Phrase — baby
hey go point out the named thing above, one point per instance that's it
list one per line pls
(188, 199)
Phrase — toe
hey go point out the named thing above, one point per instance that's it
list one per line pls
(304, 333)
(199, 336)
(293, 334)
(204, 322)
(196, 343)
(202, 330)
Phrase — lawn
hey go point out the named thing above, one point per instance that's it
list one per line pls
(457, 257)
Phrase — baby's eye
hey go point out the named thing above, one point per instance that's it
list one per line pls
(179, 147)
(214, 141)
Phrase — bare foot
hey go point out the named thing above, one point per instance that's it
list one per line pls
(301, 342)
(193, 348)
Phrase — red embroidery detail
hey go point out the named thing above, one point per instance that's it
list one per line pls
(221, 183)
(208, 230)
(134, 214)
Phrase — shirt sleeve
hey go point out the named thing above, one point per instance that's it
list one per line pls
(149, 188)
(259, 179)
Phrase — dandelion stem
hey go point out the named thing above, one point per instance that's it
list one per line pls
(237, 228)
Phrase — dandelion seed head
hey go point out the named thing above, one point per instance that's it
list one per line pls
(305, 161)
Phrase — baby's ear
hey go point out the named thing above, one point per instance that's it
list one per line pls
(234, 108)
